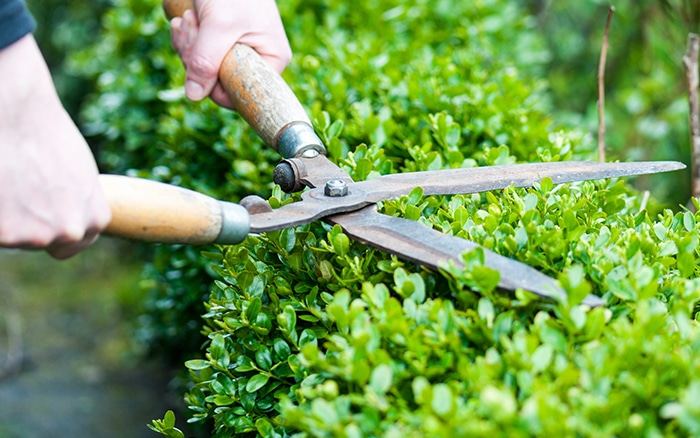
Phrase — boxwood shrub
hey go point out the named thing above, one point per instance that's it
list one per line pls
(309, 333)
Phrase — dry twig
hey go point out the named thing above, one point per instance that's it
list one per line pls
(690, 60)
(601, 89)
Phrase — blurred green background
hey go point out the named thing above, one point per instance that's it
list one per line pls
(646, 103)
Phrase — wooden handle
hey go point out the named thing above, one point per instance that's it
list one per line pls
(260, 96)
(175, 8)
(150, 211)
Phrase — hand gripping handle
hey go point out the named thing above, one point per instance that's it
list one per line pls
(262, 97)
(151, 211)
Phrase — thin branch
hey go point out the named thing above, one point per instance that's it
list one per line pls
(690, 61)
(601, 89)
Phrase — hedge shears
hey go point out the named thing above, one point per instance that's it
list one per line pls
(156, 212)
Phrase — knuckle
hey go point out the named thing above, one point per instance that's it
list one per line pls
(202, 67)
(25, 237)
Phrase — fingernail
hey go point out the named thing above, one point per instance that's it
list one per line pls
(194, 91)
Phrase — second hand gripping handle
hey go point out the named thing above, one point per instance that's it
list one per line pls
(262, 97)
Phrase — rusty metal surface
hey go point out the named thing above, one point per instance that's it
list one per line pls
(315, 172)
(418, 243)
(483, 179)
(313, 206)
(357, 214)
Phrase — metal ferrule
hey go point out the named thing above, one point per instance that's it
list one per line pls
(235, 224)
(299, 139)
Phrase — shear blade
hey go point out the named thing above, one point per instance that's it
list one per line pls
(438, 182)
(415, 242)
(484, 179)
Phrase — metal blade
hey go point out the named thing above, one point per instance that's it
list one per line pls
(316, 205)
(483, 179)
(415, 242)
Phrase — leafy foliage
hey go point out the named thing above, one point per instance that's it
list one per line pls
(315, 333)
(312, 333)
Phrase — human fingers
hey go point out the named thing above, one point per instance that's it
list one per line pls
(213, 41)
(183, 34)
(65, 250)
(95, 219)
(268, 37)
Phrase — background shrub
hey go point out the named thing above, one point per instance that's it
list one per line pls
(646, 89)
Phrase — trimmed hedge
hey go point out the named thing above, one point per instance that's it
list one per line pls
(307, 332)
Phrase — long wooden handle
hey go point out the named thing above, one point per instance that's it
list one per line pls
(261, 96)
(150, 211)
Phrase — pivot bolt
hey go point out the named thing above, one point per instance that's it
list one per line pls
(285, 176)
(336, 188)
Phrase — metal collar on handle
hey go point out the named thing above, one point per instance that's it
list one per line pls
(298, 139)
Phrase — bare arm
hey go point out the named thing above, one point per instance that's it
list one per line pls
(50, 197)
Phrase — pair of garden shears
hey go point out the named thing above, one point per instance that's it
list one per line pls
(156, 212)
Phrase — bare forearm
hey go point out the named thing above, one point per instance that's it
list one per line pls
(49, 193)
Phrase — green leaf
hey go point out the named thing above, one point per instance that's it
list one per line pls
(574, 281)
(443, 400)
(197, 364)
(257, 287)
(530, 201)
(688, 221)
(554, 338)
(256, 382)
(381, 378)
(412, 212)
(336, 128)
(312, 380)
(166, 426)
(218, 350)
(686, 264)
(254, 306)
(244, 364)
(341, 244)
(307, 337)
(281, 349)
(363, 169)
(415, 196)
(169, 419)
(542, 357)
(324, 410)
(546, 184)
(215, 256)
(409, 285)
(264, 427)
(288, 319)
(420, 387)
(263, 357)
(486, 311)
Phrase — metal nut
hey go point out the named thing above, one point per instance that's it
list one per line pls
(336, 188)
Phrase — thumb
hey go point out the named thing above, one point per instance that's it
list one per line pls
(205, 61)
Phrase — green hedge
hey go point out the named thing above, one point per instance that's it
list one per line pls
(309, 332)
